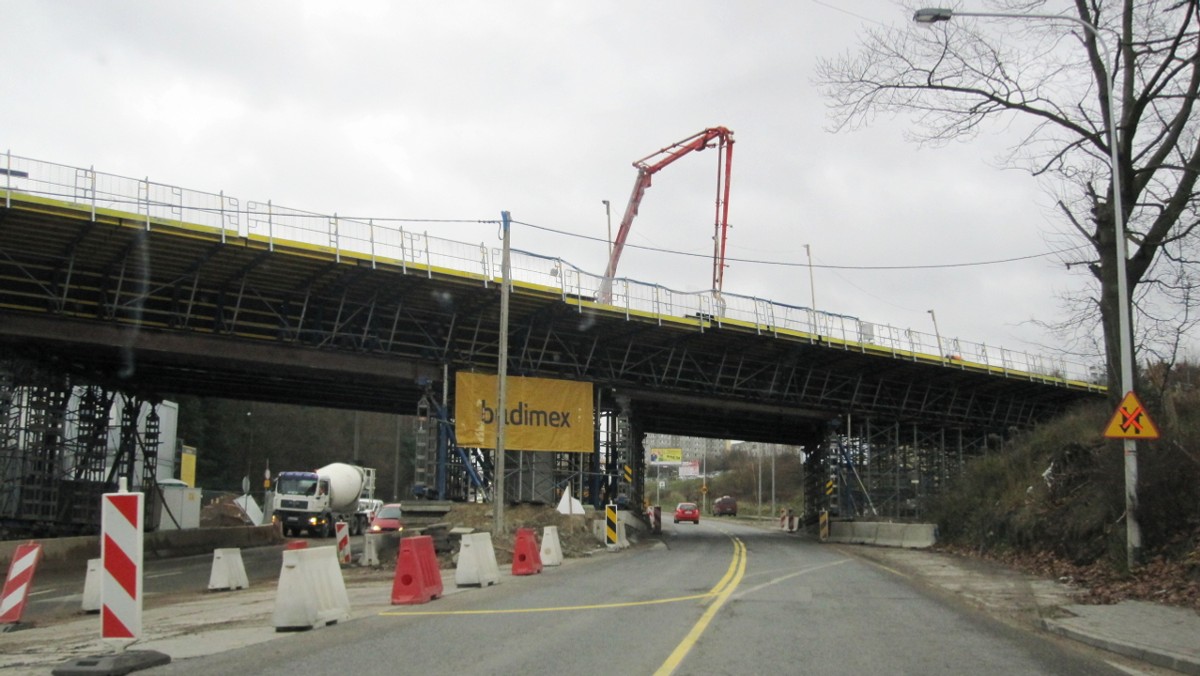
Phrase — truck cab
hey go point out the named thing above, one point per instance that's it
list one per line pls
(314, 501)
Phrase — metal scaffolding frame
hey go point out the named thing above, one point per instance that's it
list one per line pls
(55, 460)
(887, 468)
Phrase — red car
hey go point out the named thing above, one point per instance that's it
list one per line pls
(687, 511)
(387, 519)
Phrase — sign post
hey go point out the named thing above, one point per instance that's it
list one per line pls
(121, 549)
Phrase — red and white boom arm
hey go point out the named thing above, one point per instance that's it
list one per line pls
(714, 137)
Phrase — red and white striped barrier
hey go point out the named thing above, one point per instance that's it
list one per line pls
(20, 578)
(121, 556)
(342, 529)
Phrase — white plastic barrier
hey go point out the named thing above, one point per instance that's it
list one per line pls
(311, 590)
(552, 554)
(228, 571)
(91, 587)
(476, 561)
(370, 553)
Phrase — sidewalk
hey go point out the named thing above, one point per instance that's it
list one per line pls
(187, 625)
(1159, 635)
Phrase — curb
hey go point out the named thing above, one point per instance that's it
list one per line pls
(1158, 657)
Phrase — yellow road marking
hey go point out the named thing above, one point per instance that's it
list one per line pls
(553, 609)
(737, 570)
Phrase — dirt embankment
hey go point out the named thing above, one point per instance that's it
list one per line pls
(574, 531)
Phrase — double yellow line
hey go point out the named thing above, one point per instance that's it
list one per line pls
(720, 594)
(715, 597)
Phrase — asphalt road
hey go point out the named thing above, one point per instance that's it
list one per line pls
(718, 598)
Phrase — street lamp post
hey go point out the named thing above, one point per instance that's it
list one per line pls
(812, 287)
(498, 525)
(608, 215)
(937, 333)
(1133, 534)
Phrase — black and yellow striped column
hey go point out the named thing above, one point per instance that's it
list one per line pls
(610, 526)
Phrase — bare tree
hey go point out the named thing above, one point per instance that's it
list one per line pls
(1051, 81)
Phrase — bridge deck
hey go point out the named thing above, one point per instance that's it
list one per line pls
(174, 306)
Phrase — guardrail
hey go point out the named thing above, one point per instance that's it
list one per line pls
(366, 239)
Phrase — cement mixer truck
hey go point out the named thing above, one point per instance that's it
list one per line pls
(315, 501)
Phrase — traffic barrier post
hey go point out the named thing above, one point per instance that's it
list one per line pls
(121, 549)
(611, 541)
(342, 531)
(18, 583)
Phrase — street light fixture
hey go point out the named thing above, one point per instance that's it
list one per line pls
(1133, 535)
(937, 334)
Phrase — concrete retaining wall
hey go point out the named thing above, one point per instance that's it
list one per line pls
(883, 534)
(72, 554)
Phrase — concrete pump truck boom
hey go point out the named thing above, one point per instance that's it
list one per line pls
(713, 137)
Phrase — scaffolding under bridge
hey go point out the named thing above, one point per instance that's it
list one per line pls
(64, 442)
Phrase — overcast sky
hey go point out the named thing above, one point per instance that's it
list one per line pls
(458, 110)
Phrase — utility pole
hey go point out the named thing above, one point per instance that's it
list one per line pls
(502, 384)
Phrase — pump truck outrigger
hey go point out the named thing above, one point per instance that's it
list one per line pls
(315, 501)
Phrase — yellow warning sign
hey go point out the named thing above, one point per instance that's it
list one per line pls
(1131, 421)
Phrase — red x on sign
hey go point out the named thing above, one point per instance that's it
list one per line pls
(1130, 421)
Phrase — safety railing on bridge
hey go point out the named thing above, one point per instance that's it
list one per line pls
(424, 254)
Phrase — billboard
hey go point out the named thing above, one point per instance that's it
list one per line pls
(666, 456)
(690, 468)
(542, 414)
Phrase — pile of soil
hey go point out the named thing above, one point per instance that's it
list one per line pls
(223, 512)
(574, 531)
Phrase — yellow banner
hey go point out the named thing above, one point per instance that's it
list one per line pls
(542, 415)
(672, 456)
(187, 466)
